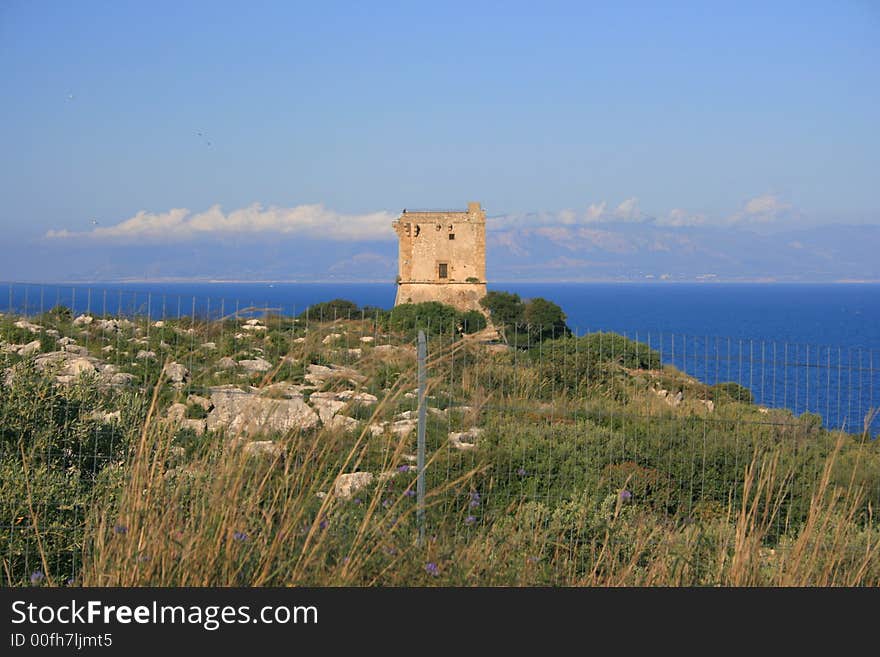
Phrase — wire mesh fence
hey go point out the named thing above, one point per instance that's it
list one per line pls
(550, 426)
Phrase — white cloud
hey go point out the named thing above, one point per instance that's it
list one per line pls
(678, 217)
(628, 210)
(176, 225)
(762, 209)
(596, 211)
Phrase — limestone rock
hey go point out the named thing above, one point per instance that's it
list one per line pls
(198, 400)
(348, 484)
(227, 363)
(198, 426)
(83, 320)
(176, 412)
(368, 339)
(342, 422)
(122, 379)
(255, 365)
(249, 413)
(24, 324)
(177, 373)
(30, 348)
(363, 398)
(464, 440)
(144, 355)
(65, 341)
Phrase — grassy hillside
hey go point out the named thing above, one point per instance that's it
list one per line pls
(266, 450)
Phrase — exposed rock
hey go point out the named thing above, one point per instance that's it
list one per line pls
(177, 373)
(226, 363)
(367, 339)
(464, 440)
(330, 337)
(198, 426)
(253, 325)
(354, 353)
(348, 484)
(209, 345)
(326, 408)
(24, 324)
(198, 400)
(363, 398)
(122, 379)
(403, 428)
(248, 412)
(255, 365)
(76, 349)
(342, 422)
(143, 355)
(320, 374)
(159, 324)
(108, 348)
(176, 412)
(264, 448)
(30, 348)
(83, 320)
(394, 350)
(299, 340)
(65, 341)
(709, 404)
(52, 332)
(105, 416)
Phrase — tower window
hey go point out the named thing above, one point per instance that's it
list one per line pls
(452, 236)
(444, 270)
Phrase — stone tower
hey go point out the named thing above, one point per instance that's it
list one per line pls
(442, 257)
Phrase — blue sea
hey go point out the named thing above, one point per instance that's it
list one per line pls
(808, 347)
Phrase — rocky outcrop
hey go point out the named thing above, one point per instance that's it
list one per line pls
(348, 484)
(255, 365)
(465, 440)
(320, 374)
(247, 412)
(177, 374)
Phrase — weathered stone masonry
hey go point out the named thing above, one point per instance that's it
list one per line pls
(442, 257)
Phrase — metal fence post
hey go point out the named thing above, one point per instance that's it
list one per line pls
(420, 483)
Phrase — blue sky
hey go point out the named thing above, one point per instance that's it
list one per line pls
(340, 114)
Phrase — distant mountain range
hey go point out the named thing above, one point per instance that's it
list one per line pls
(604, 251)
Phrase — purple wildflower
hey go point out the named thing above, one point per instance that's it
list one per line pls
(625, 496)
(71, 582)
(323, 524)
(386, 503)
(240, 536)
(403, 468)
(143, 558)
(475, 499)
(409, 492)
(521, 472)
(358, 500)
(470, 520)
(432, 569)
(120, 529)
(37, 578)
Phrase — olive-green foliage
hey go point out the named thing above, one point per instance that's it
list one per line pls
(434, 318)
(525, 322)
(60, 436)
(581, 363)
(327, 311)
(734, 391)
